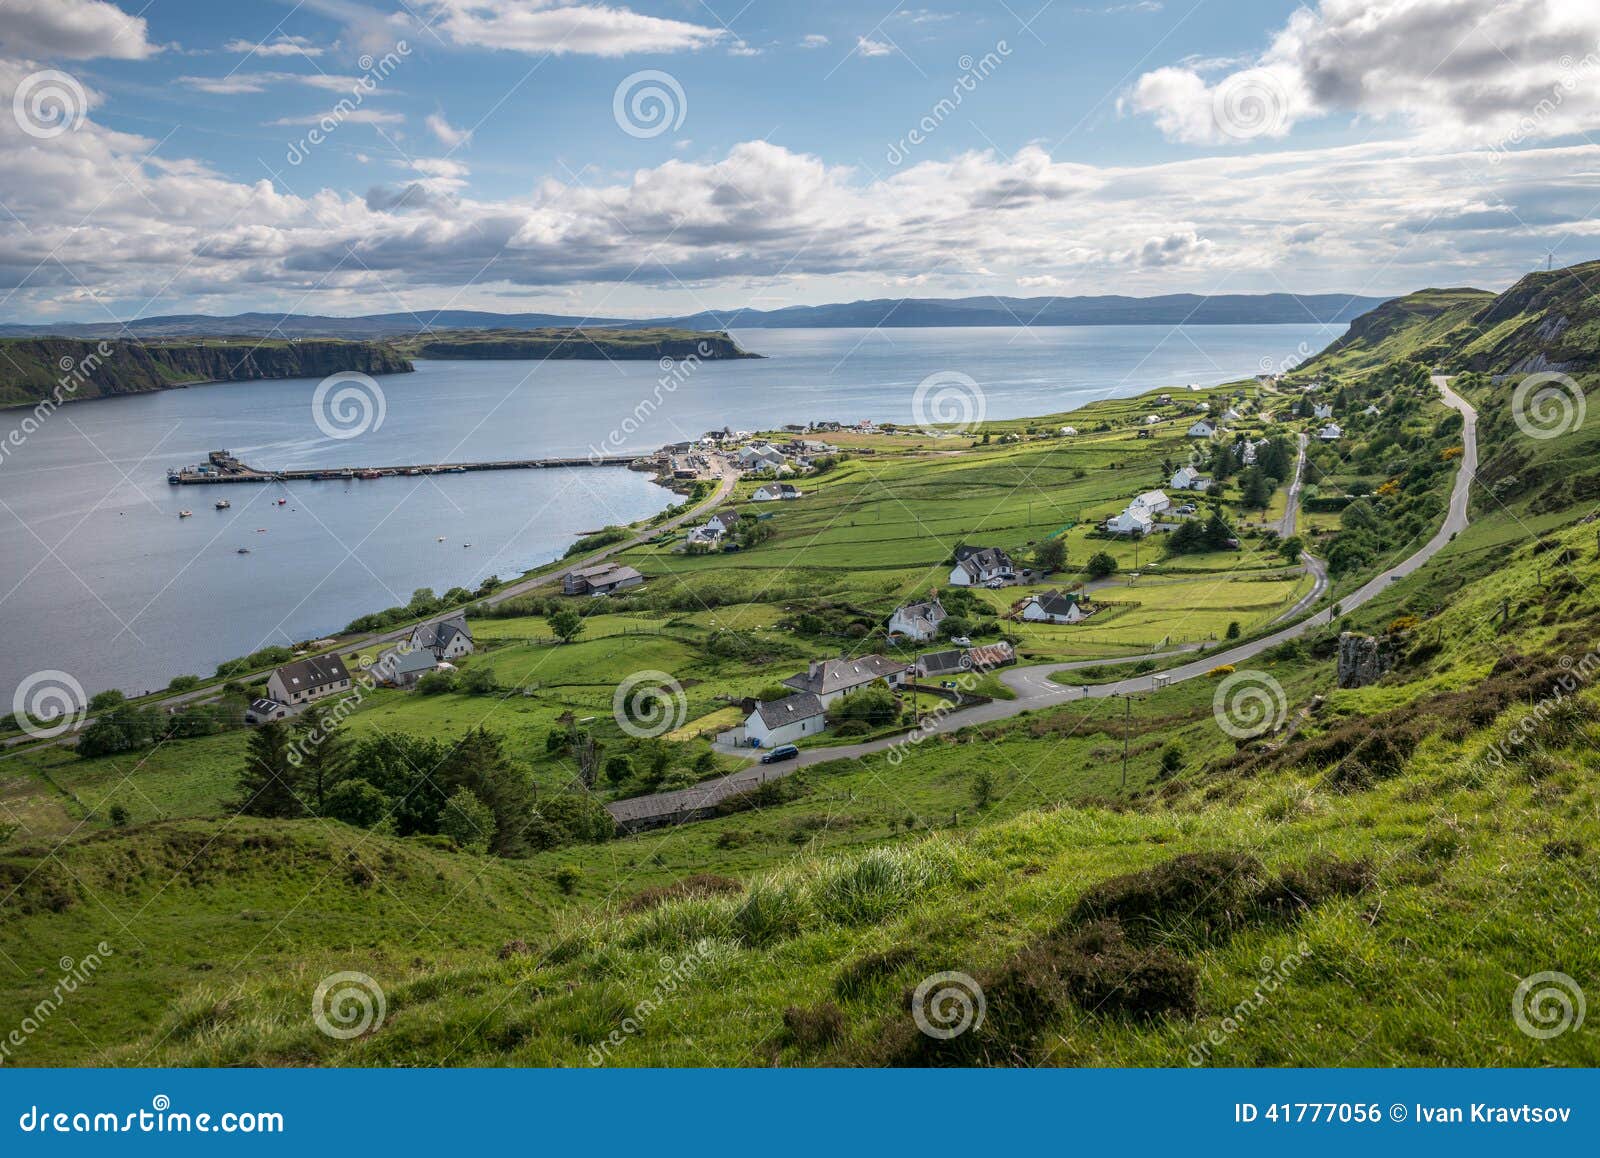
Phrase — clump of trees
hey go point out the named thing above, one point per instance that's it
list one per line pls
(470, 791)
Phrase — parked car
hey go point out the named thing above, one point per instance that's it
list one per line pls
(1187, 509)
(781, 752)
(961, 641)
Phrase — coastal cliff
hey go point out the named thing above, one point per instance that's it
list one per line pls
(618, 345)
(63, 368)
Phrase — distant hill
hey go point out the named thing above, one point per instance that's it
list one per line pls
(1547, 321)
(1167, 310)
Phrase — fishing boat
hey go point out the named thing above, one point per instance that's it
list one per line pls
(371, 474)
(281, 502)
(223, 504)
(185, 514)
(440, 539)
(242, 551)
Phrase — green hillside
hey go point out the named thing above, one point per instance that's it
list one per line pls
(1367, 884)
(1547, 321)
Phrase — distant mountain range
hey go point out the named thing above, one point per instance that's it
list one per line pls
(1109, 310)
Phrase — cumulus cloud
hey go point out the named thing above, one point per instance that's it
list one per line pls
(814, 40)
(1479, 71)
(104, 210)
(865, 46)
(72, 30)
(550, 26)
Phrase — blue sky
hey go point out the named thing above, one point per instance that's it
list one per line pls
(342, 157)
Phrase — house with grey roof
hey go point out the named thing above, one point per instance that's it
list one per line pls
(304, 680)
(784, 721)
(942, 664)
(918, 621)
(403, 666)
(449, 638)
(832, 679)
(982, 567)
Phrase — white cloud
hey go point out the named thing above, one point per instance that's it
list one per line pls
(539, 27)
(277, 46)
(72, 30)
(449, 136)
(814, 40)
(123, 221)
(352, 117)
(258, 82)
(868, 47)
(1482, 71)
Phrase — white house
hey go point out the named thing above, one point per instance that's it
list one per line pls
(1330, 433)
(1202, 429)
(1322, 410)
(761, 456)
(1133, 521)
(1187, 478)
(1155, 502)
(1203, 407)
(1151, 419)
(706, 536)
(448, 639)
(832, 679)
(1231, 415)
(919, 621)
(1372, 410)
(982, 567)
(308, 679)
(724, 520)
(785, 721)
(1055, 607)
(1068, 431)
(772, 492)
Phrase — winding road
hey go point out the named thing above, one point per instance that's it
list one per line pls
(1034, 688)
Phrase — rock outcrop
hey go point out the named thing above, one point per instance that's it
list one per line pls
(1363, 659)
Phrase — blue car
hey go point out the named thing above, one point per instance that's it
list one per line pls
(781, 752)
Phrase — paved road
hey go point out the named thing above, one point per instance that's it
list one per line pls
(511, 591)
(1034, 689)
(1286, 529)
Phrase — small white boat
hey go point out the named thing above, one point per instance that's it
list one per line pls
(185, 514)
(223, 504)
(440, 539)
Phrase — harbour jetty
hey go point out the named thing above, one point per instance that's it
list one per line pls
(222, 467)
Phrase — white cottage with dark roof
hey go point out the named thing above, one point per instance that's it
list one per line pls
(308, 679)
(448, 638)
